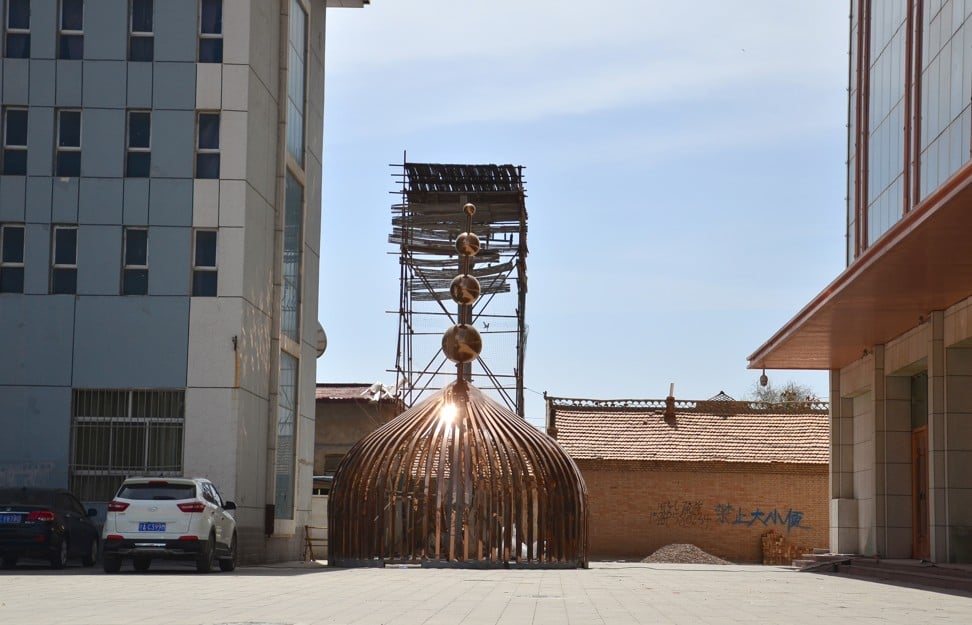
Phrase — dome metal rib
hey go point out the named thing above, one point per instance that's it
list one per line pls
(483, 489)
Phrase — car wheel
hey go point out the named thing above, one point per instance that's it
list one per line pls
(59, 557)
(204, 563)
(111, 564)
(9, 562)
(228, 563)
(92, 556)
(142, 564)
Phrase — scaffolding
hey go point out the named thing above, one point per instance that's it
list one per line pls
(425, 222)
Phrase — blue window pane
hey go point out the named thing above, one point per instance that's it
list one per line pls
(205, 248)
(210, 50)
(16, 131)
(18, 46)
(293, 228)
(11, 279)
(138, 164)
(204, 283)
(13, 245)
(211, 17)
(135, 282)
(72, 14)
(70, 47)
(139, 129)
(141, 16)
(68, 164)
(209, 131)
(69, 129)
(15, 162)
(65, 246)
(207, 166)
(141, 48)
(136, 246)
(18, 14)
(64, 281)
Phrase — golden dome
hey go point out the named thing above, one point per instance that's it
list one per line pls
(458, 480)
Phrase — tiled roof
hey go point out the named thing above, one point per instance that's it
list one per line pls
(760, 436)
(343, 391)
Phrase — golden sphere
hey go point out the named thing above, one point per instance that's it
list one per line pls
(462, 343)
(469, 209)
(467, 244)
(465, 289)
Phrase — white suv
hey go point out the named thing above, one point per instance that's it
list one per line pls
(172, 518)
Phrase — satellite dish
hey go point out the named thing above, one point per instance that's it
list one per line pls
(321, 342)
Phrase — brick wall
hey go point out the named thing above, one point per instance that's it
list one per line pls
(722, 508)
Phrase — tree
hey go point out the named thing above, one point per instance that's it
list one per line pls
(789, 393)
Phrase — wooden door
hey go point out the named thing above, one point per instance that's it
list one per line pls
(920, 545)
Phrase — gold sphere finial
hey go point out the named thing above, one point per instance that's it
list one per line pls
(469, 209)
(462, 343)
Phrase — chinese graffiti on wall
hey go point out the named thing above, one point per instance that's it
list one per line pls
(678, 513)
(728, 514)
(681, 513)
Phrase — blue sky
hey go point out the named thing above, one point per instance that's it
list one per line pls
(684, 172)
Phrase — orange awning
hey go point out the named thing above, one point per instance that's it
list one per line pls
(922, 264)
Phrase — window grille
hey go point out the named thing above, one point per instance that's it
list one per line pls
(286, 433)
(296, 82)
(121, 433)
(293, 244)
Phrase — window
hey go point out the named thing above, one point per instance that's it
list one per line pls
(141, 38)
(293, 243)
(296, 82)
(286, 424)
(204, 263)
(139, 158)
(117, 433)
(211, 31)
(64, 260)
(15, 141)
(207, 145)
(135, 269)
(17, 44)
(67, 162)
(70, 35)
(11, 259)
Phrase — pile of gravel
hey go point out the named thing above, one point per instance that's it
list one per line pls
(683, 554)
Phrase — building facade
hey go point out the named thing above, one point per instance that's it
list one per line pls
(346, 413)
(160, 191)
(895, 327)
(721, 475)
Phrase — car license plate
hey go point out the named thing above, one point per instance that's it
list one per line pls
(10, 518)
(151, 527)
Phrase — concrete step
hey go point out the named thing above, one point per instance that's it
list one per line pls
(818, 559)
(910, 572)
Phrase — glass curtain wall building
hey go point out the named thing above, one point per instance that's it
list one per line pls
(895, 327)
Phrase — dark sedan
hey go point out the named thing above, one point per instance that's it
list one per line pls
(47, 523)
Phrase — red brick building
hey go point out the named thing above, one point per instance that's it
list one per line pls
(716, 474)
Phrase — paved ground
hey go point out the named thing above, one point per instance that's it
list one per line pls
(611, 593)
